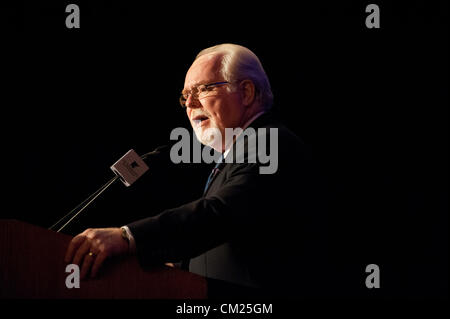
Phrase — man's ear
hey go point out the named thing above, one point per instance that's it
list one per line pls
(248, 92)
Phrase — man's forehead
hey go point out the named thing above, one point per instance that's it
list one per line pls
(205, 69)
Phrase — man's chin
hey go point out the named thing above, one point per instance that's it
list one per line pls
(211, 137)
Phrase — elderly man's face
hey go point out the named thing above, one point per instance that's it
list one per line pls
(220, 109)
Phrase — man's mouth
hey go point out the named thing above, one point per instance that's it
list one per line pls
(200, 120)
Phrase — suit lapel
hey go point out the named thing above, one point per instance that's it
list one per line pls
(259, 122)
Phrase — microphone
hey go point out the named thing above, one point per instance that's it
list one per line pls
(129, 168)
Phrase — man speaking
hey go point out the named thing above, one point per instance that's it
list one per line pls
(260, 231)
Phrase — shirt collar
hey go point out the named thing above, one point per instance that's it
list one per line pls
(254, 117)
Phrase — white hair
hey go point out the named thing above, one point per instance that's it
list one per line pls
(239, 63)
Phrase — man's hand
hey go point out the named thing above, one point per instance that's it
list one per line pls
(93, 246)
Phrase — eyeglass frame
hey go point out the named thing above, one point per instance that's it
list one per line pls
(206, 86)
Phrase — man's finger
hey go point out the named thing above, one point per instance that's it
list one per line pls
(87, 263)
(81, 252)
(98, 263)
(75, 243)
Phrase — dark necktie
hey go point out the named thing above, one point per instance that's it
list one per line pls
(213, 174)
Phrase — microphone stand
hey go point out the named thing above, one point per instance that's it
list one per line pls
(84, 204)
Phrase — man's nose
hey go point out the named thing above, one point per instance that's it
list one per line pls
(192, 102)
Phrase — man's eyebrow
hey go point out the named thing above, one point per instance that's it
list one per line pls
(186, 89)
(197, 83)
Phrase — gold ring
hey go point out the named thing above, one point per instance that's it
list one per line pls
(91, 253)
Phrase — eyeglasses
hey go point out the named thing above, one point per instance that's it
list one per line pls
(199, 91)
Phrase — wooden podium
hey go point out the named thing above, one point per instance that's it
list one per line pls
(32, 266)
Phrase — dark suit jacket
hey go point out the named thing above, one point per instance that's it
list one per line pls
(257, 230)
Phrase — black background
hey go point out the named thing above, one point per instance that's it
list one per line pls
(371, 103)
